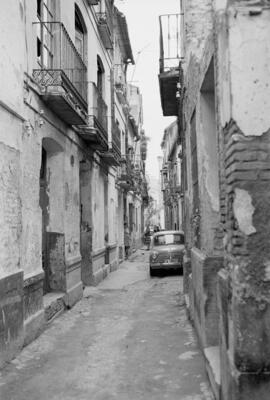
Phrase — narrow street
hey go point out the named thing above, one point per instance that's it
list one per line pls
(128, 339)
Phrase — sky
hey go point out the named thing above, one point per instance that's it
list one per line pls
(143, 25)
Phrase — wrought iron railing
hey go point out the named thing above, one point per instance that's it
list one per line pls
(106, 17)
(64, 58)
(170, 41)
(98, 108)
(116, 138)
(119, 76)
(126, 167)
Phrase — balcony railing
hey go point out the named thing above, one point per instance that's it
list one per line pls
(170, 41)
(64, 67)
(116, 139)
(105, 25)
(104, 18)
(169, 62)
(125, 177)
(112, 156)
(120, 83)
(99, 109)
(126, 167)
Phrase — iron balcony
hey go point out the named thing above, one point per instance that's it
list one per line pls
(62, 75)
(170, 56)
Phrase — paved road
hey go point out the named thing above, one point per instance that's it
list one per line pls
(128, 339)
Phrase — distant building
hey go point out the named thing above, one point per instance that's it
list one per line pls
(171, 177)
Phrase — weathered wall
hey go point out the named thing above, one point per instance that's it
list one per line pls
(11, 117)
(202, 219)
(27, 125)
(208, 171)
(204, 310)
(86, 220)
(243, 87)
(98, 182)
(12, 55)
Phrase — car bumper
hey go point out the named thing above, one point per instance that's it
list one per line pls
(166, 266)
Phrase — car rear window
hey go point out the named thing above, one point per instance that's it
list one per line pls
(169, 238)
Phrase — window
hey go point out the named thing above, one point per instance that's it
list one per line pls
(80, 34)
(100, 76)
(169, 238)
(45, 15)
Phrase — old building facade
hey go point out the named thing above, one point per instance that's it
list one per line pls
(63, 138)
(171, 177)
(219, 92)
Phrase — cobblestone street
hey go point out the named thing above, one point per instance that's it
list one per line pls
(128, 339)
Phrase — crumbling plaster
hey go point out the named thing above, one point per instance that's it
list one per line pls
(12, 55)
(243, 211)
(198, 24)
(250, 69)
(10, 210)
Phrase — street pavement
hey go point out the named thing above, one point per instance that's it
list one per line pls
(128, 339)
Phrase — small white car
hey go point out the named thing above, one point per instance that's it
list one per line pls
(166, 251)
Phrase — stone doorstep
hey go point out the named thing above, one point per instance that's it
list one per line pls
(212, 364)
(54, 305)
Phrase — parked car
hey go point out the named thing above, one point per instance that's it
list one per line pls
(166, 251)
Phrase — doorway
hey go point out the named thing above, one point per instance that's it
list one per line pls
(44, 205)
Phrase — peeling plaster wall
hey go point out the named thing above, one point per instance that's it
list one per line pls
(11, 95)
(240, 45)
(10, 201)
(243, 211)
(248, 43)
(243, 88)
(10, 210)
(12, 43)
(222, 63)
(72, 201)
(208, 172)
(199, 97)
(198, 52)
(198, 24)
(31, 212)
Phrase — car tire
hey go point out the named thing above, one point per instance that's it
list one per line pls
(151, 272)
